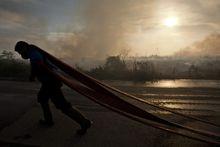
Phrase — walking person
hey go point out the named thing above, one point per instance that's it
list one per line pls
(50, 88)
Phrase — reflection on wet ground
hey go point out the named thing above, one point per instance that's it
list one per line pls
(194, 97)
(180, 83)
(184, 83)
(192, 107)
(182, 95)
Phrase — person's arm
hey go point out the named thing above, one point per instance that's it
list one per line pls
(32, 74)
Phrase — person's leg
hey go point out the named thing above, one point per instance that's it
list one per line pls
(62, 104)
(43, 98)
(77, 116)
(48, 119)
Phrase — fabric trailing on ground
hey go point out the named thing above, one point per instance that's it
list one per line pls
(99, 93)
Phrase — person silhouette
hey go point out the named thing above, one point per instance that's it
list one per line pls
(50, 88)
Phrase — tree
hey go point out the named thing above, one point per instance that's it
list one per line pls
(114, 63)
(7, 55)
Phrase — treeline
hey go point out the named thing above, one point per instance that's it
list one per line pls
(131, 69)
(156, 68)
(115, 68)
(10, 68)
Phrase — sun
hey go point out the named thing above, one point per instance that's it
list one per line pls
(170, 22)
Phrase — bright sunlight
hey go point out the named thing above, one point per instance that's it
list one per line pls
(170, 21)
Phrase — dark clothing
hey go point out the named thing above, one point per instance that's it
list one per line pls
(36, 60)
(43, 69)
(55, 94)
(51, 89)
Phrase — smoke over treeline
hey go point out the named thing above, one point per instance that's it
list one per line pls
(74, 29)
(210, 46)
(104, 27)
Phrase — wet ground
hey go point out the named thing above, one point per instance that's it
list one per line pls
(19, 115)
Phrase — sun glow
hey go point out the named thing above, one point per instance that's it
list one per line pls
(170, 21)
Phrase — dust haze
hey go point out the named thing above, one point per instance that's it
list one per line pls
(94, 29)
(105, 29)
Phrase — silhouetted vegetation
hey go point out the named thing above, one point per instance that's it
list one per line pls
(116, 69)
(131, 68)
(10, 68)
(155, 68)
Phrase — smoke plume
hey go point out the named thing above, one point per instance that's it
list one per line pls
(210, 46)
(105, 26)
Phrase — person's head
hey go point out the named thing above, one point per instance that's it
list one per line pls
(22, 48)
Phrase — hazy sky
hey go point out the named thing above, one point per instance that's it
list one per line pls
(97, 28)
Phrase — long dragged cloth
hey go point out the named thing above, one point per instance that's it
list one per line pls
(96, 92)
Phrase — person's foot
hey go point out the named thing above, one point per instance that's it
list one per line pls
(86, 125)
(46, 123)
